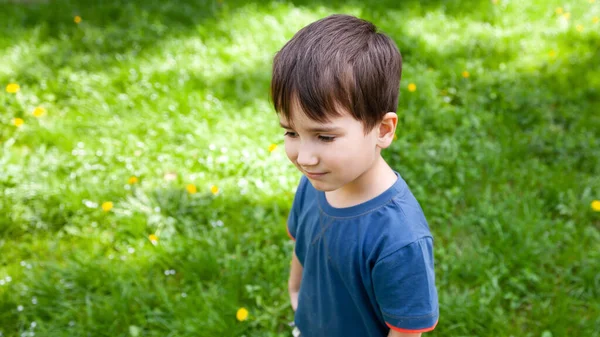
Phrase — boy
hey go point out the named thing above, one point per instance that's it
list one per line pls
(363, 257)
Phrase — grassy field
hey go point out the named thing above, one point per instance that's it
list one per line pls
(144, 189)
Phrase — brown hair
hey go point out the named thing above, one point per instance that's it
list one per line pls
(338, 62)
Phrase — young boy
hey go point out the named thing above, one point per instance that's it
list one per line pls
(363, 257)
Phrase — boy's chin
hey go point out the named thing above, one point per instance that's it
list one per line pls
(322, 186)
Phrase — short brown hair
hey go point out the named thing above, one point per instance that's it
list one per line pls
(338, 62)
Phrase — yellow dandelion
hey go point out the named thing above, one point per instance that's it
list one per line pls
(559, 10)
(412, 87)
(272, 147)
(579, 28)
(77, 19)
(12, 88)
(191, 188)
(132, 180)
(552, 53)
(595, 19)
(38, 111)
(465, 74)
(567, 15)
(495, 2)
(596, 205)
(242, 314)
(592, 1)
(107, 206)
(214, 189)
(153, 238)
(395, 136)
(18, 122)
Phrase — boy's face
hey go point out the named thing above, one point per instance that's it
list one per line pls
(331, 154)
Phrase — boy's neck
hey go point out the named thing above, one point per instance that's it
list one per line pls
(376, 180)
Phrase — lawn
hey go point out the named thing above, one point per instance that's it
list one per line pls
(144, 188)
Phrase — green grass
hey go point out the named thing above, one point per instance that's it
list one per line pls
(505, 164)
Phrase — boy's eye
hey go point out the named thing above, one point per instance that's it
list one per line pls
(327, 138)
(290, 134)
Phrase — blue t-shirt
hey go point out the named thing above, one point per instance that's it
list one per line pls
(367, 268)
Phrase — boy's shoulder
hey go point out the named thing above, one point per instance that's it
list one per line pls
(398, 223)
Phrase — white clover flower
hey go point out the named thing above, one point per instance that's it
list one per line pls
(216, 223)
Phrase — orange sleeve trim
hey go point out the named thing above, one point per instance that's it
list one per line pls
(289, 234)
(411, 331)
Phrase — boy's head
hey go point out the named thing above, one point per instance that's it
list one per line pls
(337, 73)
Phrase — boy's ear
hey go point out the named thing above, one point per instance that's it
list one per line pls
(387, 130)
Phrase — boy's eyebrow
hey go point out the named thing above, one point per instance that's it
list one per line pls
(315, 129)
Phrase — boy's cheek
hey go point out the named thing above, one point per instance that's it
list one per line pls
(291, 152)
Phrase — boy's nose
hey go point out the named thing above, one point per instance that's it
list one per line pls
(306, 158)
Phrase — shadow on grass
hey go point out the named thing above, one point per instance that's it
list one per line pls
(112, 30)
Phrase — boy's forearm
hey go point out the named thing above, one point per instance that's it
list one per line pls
(295, 274)
(394, 333)
(294, 281)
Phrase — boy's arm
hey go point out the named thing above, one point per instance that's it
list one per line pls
(295, 280)
(394, 333)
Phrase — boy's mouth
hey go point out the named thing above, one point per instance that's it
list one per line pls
(314, 174)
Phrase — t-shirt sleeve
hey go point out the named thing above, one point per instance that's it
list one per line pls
(404, 284)
(292, 222)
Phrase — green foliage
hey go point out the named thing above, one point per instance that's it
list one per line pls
(505, 160)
